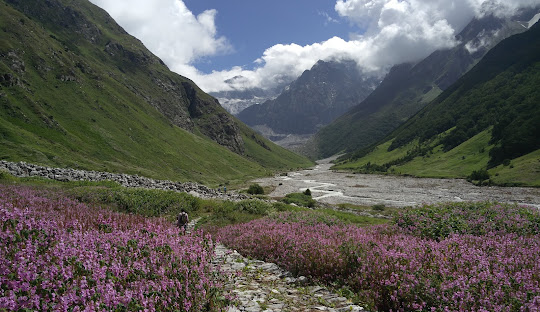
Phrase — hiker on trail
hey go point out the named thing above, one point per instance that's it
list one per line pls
(182, 221)
(224, 189)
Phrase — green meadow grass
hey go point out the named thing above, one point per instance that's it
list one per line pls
(162, 203)
(524, 170)
(459, 162)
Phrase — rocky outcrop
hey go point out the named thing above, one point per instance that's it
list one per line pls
(215, 124)
(23, 169)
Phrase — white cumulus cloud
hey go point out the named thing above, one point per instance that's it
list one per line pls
(392, 32)
(169, 29)
(389, 32)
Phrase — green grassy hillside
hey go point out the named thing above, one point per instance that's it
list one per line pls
(489, 119)
(459, 162)
(78, 91)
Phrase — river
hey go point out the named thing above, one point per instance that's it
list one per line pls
(395, 191)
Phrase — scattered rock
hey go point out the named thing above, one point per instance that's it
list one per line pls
(262, 286)
(23, 169)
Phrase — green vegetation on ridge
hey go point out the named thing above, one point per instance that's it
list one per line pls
(409, 87)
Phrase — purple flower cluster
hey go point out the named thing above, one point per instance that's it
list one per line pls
(58, 254)
(389, 270)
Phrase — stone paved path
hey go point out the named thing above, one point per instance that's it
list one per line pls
(262, 286)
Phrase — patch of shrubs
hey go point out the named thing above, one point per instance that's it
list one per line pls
(255, 189)
(300, 199)
(150, 203)
(378, 207)
(479, 175)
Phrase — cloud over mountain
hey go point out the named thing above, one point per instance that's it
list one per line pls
(169, 29)
(387, 32)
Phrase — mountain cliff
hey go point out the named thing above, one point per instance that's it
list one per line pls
(77, 90)
(407, 88)
(315, 99)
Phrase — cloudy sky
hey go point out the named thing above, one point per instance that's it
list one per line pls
(262, 43)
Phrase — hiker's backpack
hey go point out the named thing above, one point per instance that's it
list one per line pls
(182, 218)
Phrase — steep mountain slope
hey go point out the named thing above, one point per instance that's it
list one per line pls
(77, 90)
(488, 119)
(409, 87)
(315, 99)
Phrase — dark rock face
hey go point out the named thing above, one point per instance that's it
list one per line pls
(219, 126)
(315, 99)
(225, 132)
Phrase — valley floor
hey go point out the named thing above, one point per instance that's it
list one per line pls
(395, 191)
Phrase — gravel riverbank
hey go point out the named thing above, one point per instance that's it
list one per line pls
(327, 186)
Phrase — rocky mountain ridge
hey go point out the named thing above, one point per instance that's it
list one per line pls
(235, 101)
(484, 127)
(313, 100)
(179, 99)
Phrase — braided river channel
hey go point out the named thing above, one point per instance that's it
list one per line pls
(335, 187)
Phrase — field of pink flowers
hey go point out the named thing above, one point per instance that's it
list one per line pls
(454, 257)
(57, 254)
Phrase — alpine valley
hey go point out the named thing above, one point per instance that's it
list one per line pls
(103, 148)
(488, 119)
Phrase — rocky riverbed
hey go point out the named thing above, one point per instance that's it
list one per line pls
(395, 191)
(327, 186)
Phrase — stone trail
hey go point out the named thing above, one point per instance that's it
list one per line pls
(262, 286)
